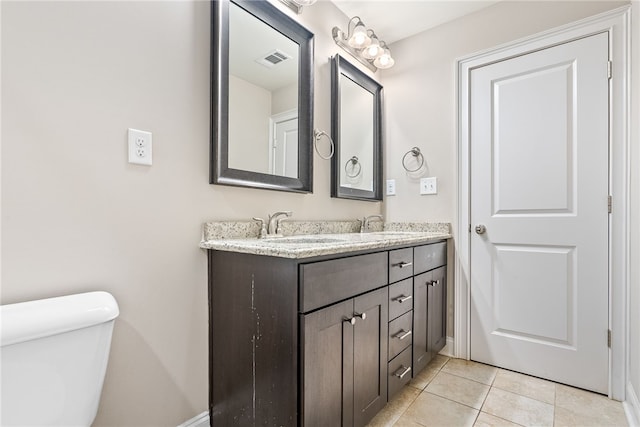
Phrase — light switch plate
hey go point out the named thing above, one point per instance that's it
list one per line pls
(391, 187)
(429, 185)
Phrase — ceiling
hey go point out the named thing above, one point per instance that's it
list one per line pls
(394, 20)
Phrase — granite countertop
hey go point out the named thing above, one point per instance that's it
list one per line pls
(311, 245)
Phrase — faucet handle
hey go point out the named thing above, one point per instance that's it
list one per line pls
(263, 227)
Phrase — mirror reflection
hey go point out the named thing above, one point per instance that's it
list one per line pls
(356, 135)
(263, 97)
(356, 131)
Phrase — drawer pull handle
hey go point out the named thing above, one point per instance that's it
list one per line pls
(351, 320)
(402, 298)
(363, 316)
(403, 264)
(402, 334)
(402, 371)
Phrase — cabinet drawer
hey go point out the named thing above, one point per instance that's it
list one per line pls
(325, 282)
(400, 298)
(428, 257)
(400, 334)
(399, 372)
(400, 264)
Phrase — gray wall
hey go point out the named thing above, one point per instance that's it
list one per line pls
(77, 217)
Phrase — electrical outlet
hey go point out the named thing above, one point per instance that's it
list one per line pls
(429, 185)
(140, 147)
(391, 187)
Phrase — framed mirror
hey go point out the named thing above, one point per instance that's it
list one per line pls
(261, 98)
(356, 129)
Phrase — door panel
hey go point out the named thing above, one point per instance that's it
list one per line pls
(437, 311)
(539, 183)
(370, 355)
(325, 336)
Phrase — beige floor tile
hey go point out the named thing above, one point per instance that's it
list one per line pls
(438, 361)
(423, 378)
(395, 408)
(406, 422)
(458, 389)
(472, 370)
(567, 418)
(518, 409)
(488, 420)
(532, 387)
(431, 410)
(584, 403)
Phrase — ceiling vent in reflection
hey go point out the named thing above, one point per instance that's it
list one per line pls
(273, 58)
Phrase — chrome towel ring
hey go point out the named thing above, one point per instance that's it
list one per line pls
(356, 167)
(415, 152)
(317, 134)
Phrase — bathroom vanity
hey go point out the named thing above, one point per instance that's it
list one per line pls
(321, 330)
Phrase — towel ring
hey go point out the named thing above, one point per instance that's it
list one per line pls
(415, 152)
(317, 134)
(354, 162)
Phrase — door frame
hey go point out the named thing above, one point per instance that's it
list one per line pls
(617, 23)
(274, 120)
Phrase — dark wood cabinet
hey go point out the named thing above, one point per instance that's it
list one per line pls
(437, 310)
(430, 305)
(344, 353)
(306, 342)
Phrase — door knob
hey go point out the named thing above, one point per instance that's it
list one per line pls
(481, 229)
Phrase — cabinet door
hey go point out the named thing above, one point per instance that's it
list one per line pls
(326, 342)
(370, 355)
(437, 310)
(420, 322)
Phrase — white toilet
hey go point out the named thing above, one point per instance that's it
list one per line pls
(53, 357)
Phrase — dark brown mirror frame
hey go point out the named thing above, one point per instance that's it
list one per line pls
(219, 170)
(340, 68)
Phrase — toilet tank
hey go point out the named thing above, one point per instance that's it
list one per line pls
(53, 358)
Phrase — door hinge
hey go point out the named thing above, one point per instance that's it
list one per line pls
(609, 338)
(609, 69)
(609, 203)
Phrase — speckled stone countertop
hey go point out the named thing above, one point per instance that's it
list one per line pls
(304, 239)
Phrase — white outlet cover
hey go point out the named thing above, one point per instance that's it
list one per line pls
(140, 147)
(429, 185)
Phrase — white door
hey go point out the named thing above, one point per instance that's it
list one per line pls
(539, 186)
(284, 144)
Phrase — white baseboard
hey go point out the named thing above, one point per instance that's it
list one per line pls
(200, 420)
(448, 348)
(632, 407)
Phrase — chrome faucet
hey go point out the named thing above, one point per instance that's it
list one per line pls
(274, 221)
(364, 224)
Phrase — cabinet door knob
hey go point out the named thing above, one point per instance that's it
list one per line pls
(402, 371)
(402, 334)
(433, 282)
(351, 320)
(363, 316)
(402, 298)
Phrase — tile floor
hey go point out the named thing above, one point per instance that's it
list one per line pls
(455, 392)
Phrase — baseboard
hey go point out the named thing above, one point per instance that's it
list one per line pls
(447, 350)
(200, 420)
(632, 407)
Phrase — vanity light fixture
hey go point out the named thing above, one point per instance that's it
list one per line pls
(296, 5)
(364, 45)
